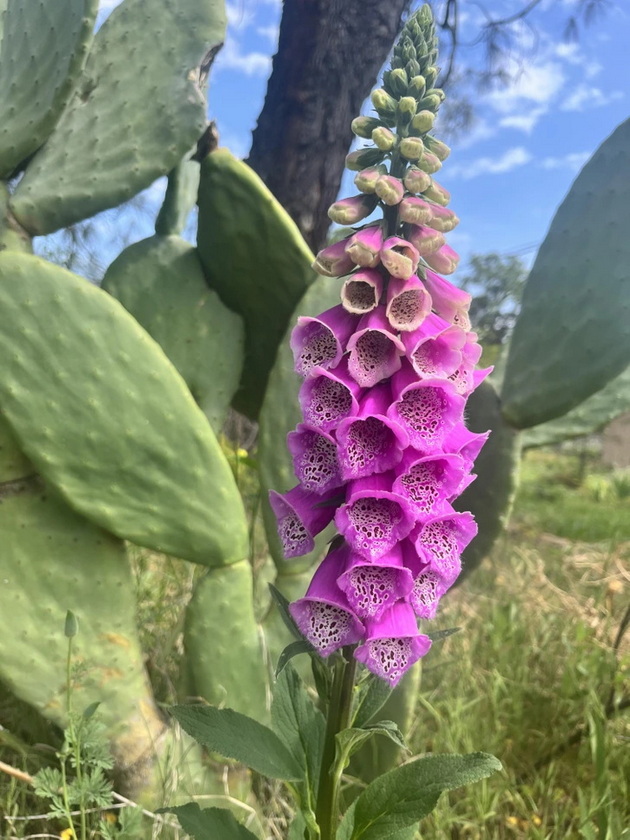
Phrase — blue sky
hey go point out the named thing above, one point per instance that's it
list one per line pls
(509, 172)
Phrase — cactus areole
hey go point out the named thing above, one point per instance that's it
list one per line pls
(384, 450)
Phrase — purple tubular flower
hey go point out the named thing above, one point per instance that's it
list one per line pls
(375, 349)
(333, 261)
(393, 643)
(315, 459)
(373, 587)
(361, 292)
(429, 482)
(301, 515)
(465, 443)
(321, 342)
(374, 519)
(435, 348)
(370, 442)
(427, 409)
(445, 259)
(424, 239)
(441, 541)
(408, 303)
(399, 257)
(449, 302)
(323, 615)
(328, 397)
(364, 246)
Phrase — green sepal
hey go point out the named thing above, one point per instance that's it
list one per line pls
(299, 725)
(136, 111)
(161, 283)
(371, 696)
(209, 823)
(106, 418)
(572, 335)
(255, 258)
(223, 657)
(407, 794)
(44, 47)
(587, 418)
(279, 415)
(489, 498)
(239, 737)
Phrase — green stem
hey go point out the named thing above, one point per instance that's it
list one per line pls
(339, 711)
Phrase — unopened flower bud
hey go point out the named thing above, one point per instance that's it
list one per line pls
(430, 163)
(363, 157)
(390, 190)
(364, 126)
(437, 92)
(349, 211)
(439, 149)
(414, 210)
(333, 261)
(411, 148)
(424, 239)
(438, 194)
(423, 121)
(366, 179)
(445, 260)
(399, 257)
(384, 138)
(384, 103)
(442, 218)
(431, 102)
(417, 87)
(406, 108)
(413, 68)
(431, 74)
(416, 180)
(396, 81)
(364, 246)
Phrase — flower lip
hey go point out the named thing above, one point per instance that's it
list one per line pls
(321, 341)
(373, 587)
(375, 349)
(301, 515)
(329, 396)
(315, 458)
(408, 303)
(361, 291)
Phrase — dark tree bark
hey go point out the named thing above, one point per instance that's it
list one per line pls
(329, 55)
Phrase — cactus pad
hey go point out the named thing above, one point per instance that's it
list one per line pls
(572, 335)
(161, 283)
(106, 418)
(137, 109)
(255, 258)
(44, 46)
(224, 657)
(180, 198)
(53, 560)
(13, 463)
(490, 496)
(279, 415)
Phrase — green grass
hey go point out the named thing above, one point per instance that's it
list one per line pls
(532, 663)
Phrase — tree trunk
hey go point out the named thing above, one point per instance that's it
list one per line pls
(329, 55)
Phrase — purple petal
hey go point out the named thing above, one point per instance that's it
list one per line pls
(462, 441)
(428, 482)
(333, 261)
(373, 587)
(364, 247)
(375, 350)
(321, 342)
(408, 303)
(448, 301)
(328, 397)
(441, 541)
(315, 459)
(399, 257)
(435, 348)
(301, 516)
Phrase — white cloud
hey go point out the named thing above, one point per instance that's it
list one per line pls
(537, 83)
(583, 97)
(238, 15)
(270, 32)
(511, 159)
(252, 63)
(594, 68)
(237, 143)
(524, 121)
(572, 160)
(480, 130)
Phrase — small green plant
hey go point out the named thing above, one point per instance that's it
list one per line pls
(79, 789)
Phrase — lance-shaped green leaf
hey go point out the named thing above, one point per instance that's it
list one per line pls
(239, 737)
(161, 283)
(106, 418)
(490, 496)
(586, 419)
(407, 794)
(572, 335)
(42, 53)
(54, 561)
(223, 655)
(255, 258)
(279, 415)
(209, 823)
(136, 111)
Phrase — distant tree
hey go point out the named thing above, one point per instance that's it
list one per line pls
(496, 283)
